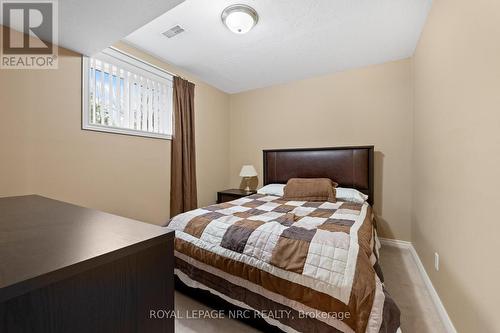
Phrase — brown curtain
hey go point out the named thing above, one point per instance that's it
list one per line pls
(183, 171)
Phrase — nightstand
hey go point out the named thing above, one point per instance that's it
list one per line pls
(232, 194)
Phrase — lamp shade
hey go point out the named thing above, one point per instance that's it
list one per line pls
(248, 171)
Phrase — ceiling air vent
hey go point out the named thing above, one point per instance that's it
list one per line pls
(174, 31)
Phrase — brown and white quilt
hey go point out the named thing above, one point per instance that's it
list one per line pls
(313, 262)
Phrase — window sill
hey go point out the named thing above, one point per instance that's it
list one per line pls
(123, 131)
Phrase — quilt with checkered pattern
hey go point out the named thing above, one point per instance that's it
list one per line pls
(317, 260)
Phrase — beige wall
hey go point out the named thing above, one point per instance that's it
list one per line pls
(45, 151)
(457, 158)
(13, 134)
(358, 107)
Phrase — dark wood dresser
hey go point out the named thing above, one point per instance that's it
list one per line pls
(65, 268)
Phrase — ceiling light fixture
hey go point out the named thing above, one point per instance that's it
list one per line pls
(240, 19)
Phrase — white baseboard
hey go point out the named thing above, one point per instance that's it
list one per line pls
(428, 283)
(395, 243)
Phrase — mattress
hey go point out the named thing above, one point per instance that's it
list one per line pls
(304, 266)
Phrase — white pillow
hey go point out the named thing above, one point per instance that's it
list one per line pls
(342, 193)
(351, 195)
(272, 189)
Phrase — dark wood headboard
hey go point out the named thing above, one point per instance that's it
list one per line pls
(348, 166)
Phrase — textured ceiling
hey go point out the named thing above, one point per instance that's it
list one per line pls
(92, 25)
(294, 39)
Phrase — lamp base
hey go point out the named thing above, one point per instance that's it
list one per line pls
(247, 183)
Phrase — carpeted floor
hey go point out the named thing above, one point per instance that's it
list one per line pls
(402, 280)
(405, 285)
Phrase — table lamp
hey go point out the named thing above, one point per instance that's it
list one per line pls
(247, 172)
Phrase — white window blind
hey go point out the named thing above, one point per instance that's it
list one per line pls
(125, 95)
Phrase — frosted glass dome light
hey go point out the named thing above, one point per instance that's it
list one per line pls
(240, 19)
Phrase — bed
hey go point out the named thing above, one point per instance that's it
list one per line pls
(298, 266)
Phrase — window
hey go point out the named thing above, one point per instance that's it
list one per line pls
(122, 94)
